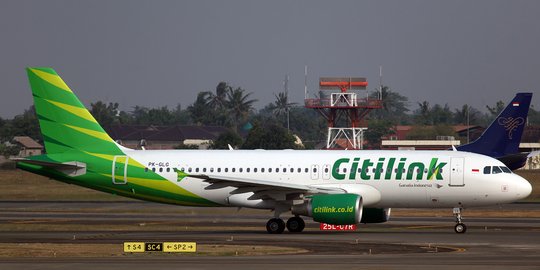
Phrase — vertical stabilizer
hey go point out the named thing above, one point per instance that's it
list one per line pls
(503, 136)
(65, 123)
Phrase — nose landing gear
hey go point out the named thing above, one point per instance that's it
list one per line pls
(460, 227)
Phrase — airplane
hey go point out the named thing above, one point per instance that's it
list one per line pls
(332, 187)
(501, 139)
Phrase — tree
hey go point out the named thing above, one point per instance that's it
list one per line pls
(534, 116)
(441, 115)
(423, 114)
(495, 110)
(269, 136)
(218, 101)
(227, 138)
(239, 106)
(467, 115)
(377, 129)
(105, 114)
(282, 106)
(394, 108)
(200, 112)
(25, 124)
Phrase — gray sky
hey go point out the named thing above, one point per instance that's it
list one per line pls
(156, 53)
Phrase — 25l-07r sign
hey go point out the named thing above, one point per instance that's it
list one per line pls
(331, 227)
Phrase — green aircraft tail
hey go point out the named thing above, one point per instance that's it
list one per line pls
(66, 125)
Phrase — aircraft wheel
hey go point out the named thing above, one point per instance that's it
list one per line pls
(460, 228)
(295, 224)
(275, 226)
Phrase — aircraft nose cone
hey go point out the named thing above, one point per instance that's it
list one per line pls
(523, 188)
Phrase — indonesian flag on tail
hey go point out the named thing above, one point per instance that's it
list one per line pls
(515, 104)
(475, 170)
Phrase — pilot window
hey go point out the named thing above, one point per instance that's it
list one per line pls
(496, 170)
(487, 170)
(505, 169)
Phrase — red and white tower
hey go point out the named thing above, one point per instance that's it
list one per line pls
(344, 103)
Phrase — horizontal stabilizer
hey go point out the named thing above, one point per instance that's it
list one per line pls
(71, 168)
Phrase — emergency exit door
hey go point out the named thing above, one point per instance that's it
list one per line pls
(456, 172)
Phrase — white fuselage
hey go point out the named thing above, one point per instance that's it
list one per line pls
(384, 179)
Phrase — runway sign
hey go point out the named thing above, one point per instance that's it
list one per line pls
(331, 227)
(138, 247)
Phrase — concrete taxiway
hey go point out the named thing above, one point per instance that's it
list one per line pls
(404, 242)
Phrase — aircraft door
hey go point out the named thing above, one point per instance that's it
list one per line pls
(119, 170)
(456, 172)
(326, 172)
(314, 172)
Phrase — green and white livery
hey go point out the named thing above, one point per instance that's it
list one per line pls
(335, 187)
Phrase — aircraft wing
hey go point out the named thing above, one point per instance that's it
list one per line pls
(263, 188)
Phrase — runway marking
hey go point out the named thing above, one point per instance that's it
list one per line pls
(425, 226)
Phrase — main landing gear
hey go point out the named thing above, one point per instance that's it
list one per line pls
(276, 225)
(460, 227)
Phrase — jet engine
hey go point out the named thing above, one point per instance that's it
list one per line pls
(375, 215)
(337, 209)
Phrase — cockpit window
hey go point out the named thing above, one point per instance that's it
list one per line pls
(496, 170)
(505, 169)
(487, 170)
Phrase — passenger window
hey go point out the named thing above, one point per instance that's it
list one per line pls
(145, 169)
(306, 170)
(218, 169)
(240, 170)
(168, 169)
(254, 169)
(247, 169)
(197, 169)
(211, 169)
(496, 170)
(326, 170)
(505, 169)
(262, 169)
(292, 170)
(284, 170)
(487, 170)
(277, 170)
(314, 170)
(154, 169)
(269, 169)
(233, 170)
(204, 169)
(189, 170)
(160, 169)
(226, 169)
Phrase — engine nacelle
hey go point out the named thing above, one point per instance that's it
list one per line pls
(337, 209)
(375, 215)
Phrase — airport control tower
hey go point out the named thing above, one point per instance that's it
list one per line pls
(344, 102)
